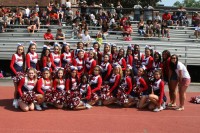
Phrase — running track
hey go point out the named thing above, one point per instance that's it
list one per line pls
(97, 120)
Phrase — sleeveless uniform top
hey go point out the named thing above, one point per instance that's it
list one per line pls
(88, 63)
(61, 86)
(94, 81)
(80, 64)
(33, 59)
(46, 85)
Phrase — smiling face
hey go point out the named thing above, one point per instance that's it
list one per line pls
(31, 74)
(96, 71)
(106, 58)
(121, 52)
(107, 48)
(140, 72)
(73, 73)
(96, 46)
(91, 54)
(157, 75)
(80, 55)
(84, 79)
(147, 52)
(116, 70)
(60, 74)
(20, 50)
(156, 57)
(46, 74)
(47, 52)
(174, 59)
(129, 52)
(136, 48)
(33, 49)
(66, 48)
(56, 49)
(128, 72)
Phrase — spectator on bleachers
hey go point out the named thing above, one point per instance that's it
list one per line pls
(60, 35)
(60, 13)
(77, 18)
(149, 31)
(156, 28)
(34, 23)
(123, 20)
(148, 10)
(183, 19)
(86, 39)
(112, 10)
(68, 4)
(83, 6)
(37, 8)
(127, 31)
(197, 31)
(104, 29)
(175, 19)
(119, 9)
(43, 17)
(167, 17)
(99, 39)
(94, 8)
(157, 17)
(140, 26)
(69, 16)
(48, 36)
(5, 21)
(137, 10)
(165, 29)
(54, 19)
(17, 19)
(195, 19)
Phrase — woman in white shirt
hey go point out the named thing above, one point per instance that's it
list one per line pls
(184, 79)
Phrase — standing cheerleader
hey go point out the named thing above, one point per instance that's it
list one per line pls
(157, 97)
(31, 56)
(26, 91)
(66, 57)
(106, 68)
(157, 64)
(17, 66)
(80, 46)
(183, 77)
(79, 62)
(148, 60)
(46, 59)
(129, 56)
(125, 88)
(114, 52)
(140, 90)
(120, 59)
(85, 92)
(114, 82)
(137, 59)
(95, 83)
(56, 56)
(59, 86)
(105, 51)
(45, 84)
(90, 62)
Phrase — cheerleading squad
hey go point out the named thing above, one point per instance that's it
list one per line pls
(79, 79)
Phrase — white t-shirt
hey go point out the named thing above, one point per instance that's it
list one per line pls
(68, 4)
(85, 38)
(184, 71)
(197, 28)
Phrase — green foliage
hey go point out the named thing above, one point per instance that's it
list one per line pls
(188, 3)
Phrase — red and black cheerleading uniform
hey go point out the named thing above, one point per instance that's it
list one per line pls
(129, 60)
(114, 57)
(141, 87)
(75, 53)
(127, 84)
(158, 89)
(137, 61)
(106, 69)
(95, 84)
(66, 59)
(44, 85)
(47, 63)
(56, 60)
(26, 85)
(31, 60)
(101, 57)
(114, 82)
(122, 62)
(80, 64)
(16, 64)
(90, 65)
(85, 91)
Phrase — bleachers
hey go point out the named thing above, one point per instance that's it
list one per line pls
(180, 41)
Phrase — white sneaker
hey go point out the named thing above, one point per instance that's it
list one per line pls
(15, 103)
(88, 106)
(38, 107)
(44, 105)
(164, 105)
(158, 109)
(99, 103)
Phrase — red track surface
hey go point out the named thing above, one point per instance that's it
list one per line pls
(97, 120)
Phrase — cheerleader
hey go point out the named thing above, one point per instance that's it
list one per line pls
(79, 62)
(106, 68)
(148, 60)
(125, 88)
(90, 61)
(120, 59)
(59, 85)
(96, 47)
(26, 87)
(105, 51)
(137, 59)
(45, 84)
(95, 83)
(114, 52)
(85, 92)
(129, 56)
(157, 98)
(114, 82)
(46, 59)
(66, 57)
(17, 66)
(56, 56)
(140, 90)
(80, 46)
(31, 56)
(157, 64)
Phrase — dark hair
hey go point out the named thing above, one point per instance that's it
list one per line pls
(84, 75)
(43, 54)
(118, 57)
(172, 65)
(167, 53)
(98, 46)
(30, 47)
(128, 48)
(23, 56)
(63, 48)
(151, 51)
(112, 52)
(159, 56)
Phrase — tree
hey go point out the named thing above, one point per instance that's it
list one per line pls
(188, 3)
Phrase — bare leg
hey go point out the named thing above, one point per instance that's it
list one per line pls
(31, 107)
(182, 95)
(24, 107)
(142, 102)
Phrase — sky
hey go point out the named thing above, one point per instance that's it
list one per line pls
(169, 2)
